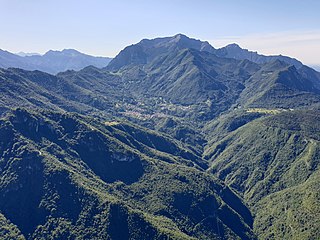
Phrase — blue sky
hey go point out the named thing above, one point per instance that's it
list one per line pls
(102, 27)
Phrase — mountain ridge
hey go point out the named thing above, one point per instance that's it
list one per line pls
(170, 141)
(178, 41)
(182, 41)
(235, 51)
(103, 179)
(52, 61)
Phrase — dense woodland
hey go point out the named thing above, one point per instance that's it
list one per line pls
(173, 139)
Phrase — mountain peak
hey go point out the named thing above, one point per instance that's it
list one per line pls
(24, 54)
(235, 51)
(53, 61)
(233, 46)
(66, 52)
(70, 51)
(148, 49)
(180, 36)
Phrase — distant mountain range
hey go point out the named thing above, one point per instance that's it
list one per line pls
(189, 71)
(173, 139)
(146, 50)
(236, 52)
(23, 54)
(69, 59)
(51, 62)
(316, 67)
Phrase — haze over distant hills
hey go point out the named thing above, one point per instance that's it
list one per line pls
(23, 54)
(52, 61)
(235, 51)
(69, 59)
(182, 41)
(316, 67)
(173, 139)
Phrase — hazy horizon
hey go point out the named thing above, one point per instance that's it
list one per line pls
(104, 28)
